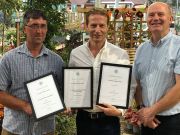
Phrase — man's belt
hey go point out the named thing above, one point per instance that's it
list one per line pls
(92, 115)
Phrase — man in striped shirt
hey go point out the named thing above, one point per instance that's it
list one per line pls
(24, 63)
(1, 112)
(157, 71)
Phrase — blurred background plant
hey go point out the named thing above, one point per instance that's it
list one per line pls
(56, 13)
(71, 40)
(65, 125)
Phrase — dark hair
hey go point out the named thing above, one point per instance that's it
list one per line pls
(34, 14)
(97, 11)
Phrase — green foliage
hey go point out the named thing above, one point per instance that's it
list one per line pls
(56, 18)
(11, 33)
(65, 125)
(73, 38)
(8, 7)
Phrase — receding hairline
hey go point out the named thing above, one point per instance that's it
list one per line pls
(97, 11)
(163, 4)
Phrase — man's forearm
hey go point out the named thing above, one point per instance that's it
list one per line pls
(170, 99)
(138, 94)
(11, 101)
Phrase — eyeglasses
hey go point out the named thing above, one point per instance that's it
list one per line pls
(35, 26)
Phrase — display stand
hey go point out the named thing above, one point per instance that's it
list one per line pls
(128, 29)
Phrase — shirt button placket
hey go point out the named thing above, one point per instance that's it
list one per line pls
(35, 67)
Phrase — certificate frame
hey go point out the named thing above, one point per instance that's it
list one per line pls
(110, 80)
(44, 91)
(75, 95)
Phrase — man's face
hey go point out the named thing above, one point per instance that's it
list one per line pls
(159, 19)
(97, 28)
(35, 31)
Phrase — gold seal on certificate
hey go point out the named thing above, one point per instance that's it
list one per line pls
(44, 96)
(114, 84)
(77, 86)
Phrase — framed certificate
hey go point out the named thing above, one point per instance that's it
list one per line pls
(78, 87)
(114, 84)
(44, 96)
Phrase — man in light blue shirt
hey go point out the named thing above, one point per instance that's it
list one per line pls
(157, 71)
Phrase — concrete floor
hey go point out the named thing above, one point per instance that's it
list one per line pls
(125, 130)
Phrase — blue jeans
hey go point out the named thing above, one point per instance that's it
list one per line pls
(107, 125)
(170, 125)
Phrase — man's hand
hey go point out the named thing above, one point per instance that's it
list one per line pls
(27, 108)
(153, 124)
(110, 110)
(132, 117)
(147, 117)
(69, 111)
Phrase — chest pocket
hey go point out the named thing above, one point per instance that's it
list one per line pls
(166, 65)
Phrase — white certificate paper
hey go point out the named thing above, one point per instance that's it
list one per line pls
(114, 84)
(44, 95)
(77, 84)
